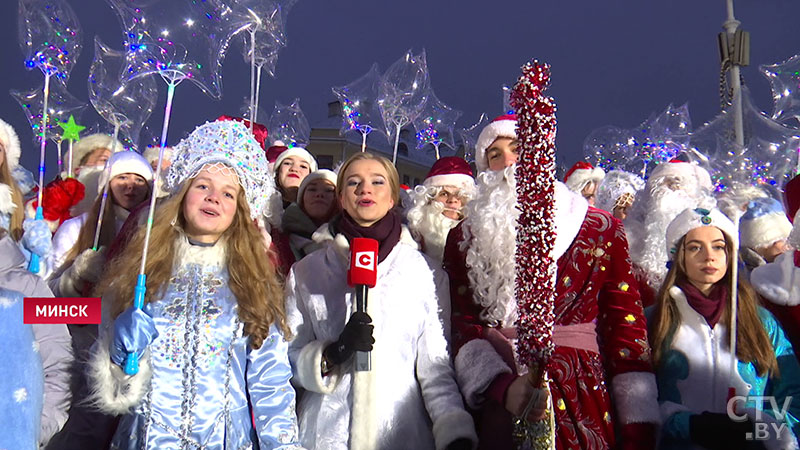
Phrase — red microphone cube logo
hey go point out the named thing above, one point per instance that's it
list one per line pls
(365, 260)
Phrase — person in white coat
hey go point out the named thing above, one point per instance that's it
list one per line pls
(409, 398)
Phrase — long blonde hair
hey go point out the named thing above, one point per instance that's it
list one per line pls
(752, 343)
(253, 279)
(18, 215)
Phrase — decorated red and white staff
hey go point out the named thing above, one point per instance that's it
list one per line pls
(535, 264)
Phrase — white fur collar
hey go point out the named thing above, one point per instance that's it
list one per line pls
(214, 256)
(778, 281)
(570, 211)
(7, 205)
(324, 236)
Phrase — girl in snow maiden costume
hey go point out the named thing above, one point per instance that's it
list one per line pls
(704, 403)
(211, 338)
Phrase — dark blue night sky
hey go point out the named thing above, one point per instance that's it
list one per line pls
(614, 62)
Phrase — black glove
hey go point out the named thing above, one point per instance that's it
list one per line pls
(717, 431)
(460, 444)
(356, 336)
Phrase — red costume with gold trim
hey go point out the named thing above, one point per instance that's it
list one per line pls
(595, 286)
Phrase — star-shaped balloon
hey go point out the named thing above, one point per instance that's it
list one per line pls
(49, 36)
(435, 124)
(469, 136)
(784, 78)
(60, 106)
(359, 102)
(289, 124)
(177, 39)
(71, 130)
(769, 150)
(126, 104)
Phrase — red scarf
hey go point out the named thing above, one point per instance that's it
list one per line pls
(386, 231)
(709, 307)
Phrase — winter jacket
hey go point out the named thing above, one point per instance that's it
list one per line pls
(300, 228)
(778, 283)
(694, 376)
(410, 398)
(200, 380)
(53, 340)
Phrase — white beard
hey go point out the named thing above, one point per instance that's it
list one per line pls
(428, 222)
(490, 230)
(89, 176)
(646, 227)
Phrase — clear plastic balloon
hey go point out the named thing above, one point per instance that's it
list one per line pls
(124, 104)
(403, 90)
(289, 124)
(61, 104)
(435, 124)
(767, 157)
(50, 36)
(784, 78)
(469, 136)
(359, 101)
(402, 93)
(177, 39)
(659, 139)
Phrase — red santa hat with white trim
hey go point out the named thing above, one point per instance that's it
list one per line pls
(684, 170)
(451, 171)
(502, 126)
(581, 174)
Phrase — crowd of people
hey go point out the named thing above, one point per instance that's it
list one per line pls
(676, 308)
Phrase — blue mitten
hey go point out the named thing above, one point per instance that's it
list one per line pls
(134, 330)
(37, 237)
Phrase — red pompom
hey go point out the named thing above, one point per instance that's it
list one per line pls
(58, 197)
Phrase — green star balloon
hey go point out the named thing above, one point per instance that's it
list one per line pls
(71, 129)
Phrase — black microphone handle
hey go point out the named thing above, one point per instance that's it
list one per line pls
(363, 362)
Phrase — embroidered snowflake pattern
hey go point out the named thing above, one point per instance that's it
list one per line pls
(20, 395)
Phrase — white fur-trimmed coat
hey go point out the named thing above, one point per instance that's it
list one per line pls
(410, 398)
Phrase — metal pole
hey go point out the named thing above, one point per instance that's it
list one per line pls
(730, 26)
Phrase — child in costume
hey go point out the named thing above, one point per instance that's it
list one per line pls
(699, 389)
(214, 371)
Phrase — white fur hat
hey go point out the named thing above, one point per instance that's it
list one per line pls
(10, 142)
(763, 223)
(299, 152)
(125, 162)
(581, 174)
(503, 126)
(684, 170)
(614, 185)
(321, 174)
(690, 219)
(89, 143)
(151, 154)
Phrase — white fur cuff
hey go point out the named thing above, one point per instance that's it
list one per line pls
(454, 425)
(635, 396)
(111, 390)
(477, 364)
(7, 205)
(308, 370)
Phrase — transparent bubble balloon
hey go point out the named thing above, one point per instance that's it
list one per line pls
(784, 79)
(359, 102)
(435, 124)
(289, 125)
(767, 145)
(126, 104)
(60, 106)
(469, 136)
(403, 90)
(607, 147)
(50, 36)
(177, 39)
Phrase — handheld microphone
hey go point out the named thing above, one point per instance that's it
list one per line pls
(363, 274)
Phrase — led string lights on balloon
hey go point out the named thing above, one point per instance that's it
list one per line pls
(359, 100)
(435, 124)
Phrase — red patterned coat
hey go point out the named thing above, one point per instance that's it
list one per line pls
(595, 285)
